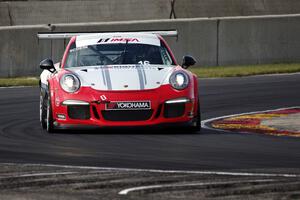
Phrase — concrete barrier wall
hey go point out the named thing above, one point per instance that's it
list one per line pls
(20, 51)
(217, 41)
(49, 12)
(223, 8)
(259, 40)
(4, 15)
(75, 11)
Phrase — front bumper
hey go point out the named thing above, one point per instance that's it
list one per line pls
(88, 107)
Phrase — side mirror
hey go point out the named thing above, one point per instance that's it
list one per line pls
(48, 65)
(188, 61)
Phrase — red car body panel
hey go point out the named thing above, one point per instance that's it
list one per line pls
(157, 96)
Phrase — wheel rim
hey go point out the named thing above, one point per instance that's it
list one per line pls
(48, 116)
(41, 109)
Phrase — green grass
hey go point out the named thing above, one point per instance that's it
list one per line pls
(244, 70)
(21, 81)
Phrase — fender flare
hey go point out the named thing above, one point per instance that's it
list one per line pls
(51, 93)
(196, 92)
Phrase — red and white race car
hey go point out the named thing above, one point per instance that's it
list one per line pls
(118, 79)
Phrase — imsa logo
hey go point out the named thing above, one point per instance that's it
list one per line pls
(129, 105)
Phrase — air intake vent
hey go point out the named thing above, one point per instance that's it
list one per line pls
(174, 110)
(79, 112)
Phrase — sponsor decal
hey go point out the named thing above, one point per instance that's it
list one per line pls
(103, 40)
(129, 105)
(103, 97)
(117, 40)
(124, 40)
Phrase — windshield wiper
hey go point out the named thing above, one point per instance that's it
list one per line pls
(124, 52)
(94, 49)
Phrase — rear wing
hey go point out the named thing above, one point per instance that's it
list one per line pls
(51, 36)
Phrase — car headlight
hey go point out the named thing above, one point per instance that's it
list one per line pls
(179, 80)
(70, 83)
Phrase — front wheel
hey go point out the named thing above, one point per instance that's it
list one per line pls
(49, 121)
(196, 122)
(43, 111)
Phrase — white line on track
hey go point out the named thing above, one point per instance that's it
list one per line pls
(40, 174)
(205, 122)
(222, 173)
(46, 174)
(149, 187)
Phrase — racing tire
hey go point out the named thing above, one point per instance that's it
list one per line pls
(43, 111)
(196, 122)
(49, 121)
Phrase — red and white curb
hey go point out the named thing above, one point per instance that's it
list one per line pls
(251, 122)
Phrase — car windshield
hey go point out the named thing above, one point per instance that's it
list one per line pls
(114, 54)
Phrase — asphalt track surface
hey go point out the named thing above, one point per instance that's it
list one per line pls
(22, 140)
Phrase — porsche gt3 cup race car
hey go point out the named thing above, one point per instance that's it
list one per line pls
(118, 79)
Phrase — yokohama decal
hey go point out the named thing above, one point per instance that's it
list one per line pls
(129, 105)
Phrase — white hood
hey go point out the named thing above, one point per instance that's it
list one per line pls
(123, 77)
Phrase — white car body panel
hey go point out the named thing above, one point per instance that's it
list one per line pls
(123, 77)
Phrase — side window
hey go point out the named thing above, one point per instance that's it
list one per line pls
(71, 59)
(166, 57)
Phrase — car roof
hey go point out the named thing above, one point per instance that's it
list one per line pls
(117, 37)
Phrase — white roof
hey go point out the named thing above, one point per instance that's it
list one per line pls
(113, 38)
